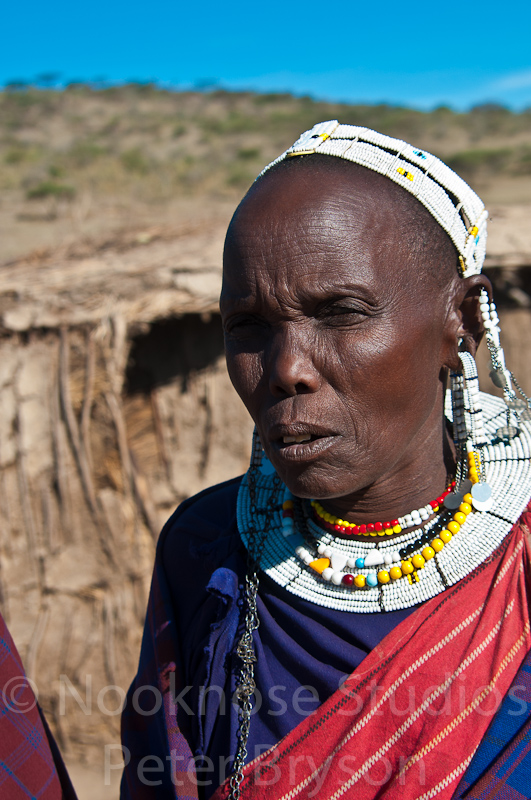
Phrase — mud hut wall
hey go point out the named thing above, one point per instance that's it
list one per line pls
(92, 461)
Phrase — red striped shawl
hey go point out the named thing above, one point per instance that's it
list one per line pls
(407, 722)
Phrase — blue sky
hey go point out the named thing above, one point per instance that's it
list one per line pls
(414, 54)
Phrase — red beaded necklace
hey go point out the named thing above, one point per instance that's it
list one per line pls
(343, 527)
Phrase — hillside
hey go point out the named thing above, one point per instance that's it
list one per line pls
(82, 163)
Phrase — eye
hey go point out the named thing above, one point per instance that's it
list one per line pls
(244, 326)
(343, 312)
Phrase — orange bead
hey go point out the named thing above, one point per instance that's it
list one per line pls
(287, 505)
(320, 564)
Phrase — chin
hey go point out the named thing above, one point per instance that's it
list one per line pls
(313, 483)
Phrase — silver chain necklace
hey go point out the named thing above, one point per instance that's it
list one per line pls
(245, 648)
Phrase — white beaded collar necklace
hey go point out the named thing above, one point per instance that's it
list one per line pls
(508, 472)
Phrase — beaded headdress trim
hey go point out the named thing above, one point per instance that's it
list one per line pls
(451, 201)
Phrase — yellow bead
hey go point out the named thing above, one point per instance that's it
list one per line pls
(373, 533)
(287, 505)
(460, 517)
(468, 499)
(428, 553)
(445, 536)
(397, 529)
(381, 533)
(327, 517)
(388, 531)
(453, 526)
(383, 576)
(437, 545)
(320, 564)
(407, 567)
(359, 580)
(473, 475)
(465, 508)
(395, 573)
(418, 561)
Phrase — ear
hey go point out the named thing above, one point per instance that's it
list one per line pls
(465, 323)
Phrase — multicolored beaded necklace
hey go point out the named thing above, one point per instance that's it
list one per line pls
(323, 565)
(402, 562)
(415, 518)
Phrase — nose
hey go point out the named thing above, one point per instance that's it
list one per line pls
(291, 363)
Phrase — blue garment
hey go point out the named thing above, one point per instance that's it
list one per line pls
(192, 627)
(304, 651)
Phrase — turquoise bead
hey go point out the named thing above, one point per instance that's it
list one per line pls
(360, 563)
(372, 580)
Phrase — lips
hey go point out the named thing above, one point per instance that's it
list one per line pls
(300, 442)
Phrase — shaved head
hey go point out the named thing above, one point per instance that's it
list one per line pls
(429, 250)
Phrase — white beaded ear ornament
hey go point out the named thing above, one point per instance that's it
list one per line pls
(470, 437)
(517, 408)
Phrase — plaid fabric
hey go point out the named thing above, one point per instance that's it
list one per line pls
(501, 767)
(28, 768)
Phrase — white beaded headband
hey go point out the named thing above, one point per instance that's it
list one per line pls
(457, 209)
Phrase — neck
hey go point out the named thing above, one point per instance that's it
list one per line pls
(406, 487)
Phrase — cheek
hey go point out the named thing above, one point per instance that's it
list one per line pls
(390, 372)
(246, 374)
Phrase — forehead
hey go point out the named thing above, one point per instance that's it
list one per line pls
(325, 224)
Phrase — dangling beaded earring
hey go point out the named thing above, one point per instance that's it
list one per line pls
(501, 377)
(470, 437)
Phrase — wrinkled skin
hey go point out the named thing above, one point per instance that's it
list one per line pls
(330, 332)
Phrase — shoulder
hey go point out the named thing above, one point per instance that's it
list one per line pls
(203, 517)
(199, 538)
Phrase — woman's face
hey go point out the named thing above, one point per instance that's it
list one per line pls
(334, 341)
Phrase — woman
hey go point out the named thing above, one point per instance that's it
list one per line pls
(352, 613)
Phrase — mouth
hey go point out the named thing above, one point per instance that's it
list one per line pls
(293, 443)
(301, 439)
